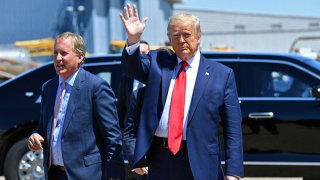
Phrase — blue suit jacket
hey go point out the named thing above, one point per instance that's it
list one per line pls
(131, 123)
(214, 102)
(124, 98)
(91, 137)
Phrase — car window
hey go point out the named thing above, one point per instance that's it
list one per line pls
(275, 80)
(286, 85)
(109, 72)
(105, 75)
(234, 66)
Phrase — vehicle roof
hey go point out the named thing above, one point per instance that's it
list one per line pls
(288, 57)
(239, 56)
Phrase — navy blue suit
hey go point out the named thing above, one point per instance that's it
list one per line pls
(124, 98)
(214, 103)
(91, 137)
(131, 123)
(129, 108)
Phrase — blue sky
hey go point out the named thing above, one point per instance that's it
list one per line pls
(284, 7)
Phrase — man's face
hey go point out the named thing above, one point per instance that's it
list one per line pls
(144, 48)
(184, 41)
(66, 61)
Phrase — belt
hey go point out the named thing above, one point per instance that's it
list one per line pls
(57, 168)
(163, 142)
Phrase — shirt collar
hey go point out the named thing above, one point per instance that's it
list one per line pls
(192, 60)
(71, 79)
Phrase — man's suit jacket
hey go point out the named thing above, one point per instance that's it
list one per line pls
(124, 98)
(214, 102)
(131, 123)
(91, 137)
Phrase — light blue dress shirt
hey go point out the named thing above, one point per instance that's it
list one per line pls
(57, 158)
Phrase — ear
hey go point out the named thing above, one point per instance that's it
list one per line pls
(199, 39)
(169, 39)
(81, 58)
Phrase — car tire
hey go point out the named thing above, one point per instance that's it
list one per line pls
(21, 163)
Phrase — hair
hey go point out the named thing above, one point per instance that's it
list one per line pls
(78, 45)
(184, 19)
(145, 42)
(166, 49)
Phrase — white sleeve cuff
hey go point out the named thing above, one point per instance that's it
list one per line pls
(131, 49)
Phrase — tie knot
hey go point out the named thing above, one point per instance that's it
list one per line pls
(63, 84)
(184, 64)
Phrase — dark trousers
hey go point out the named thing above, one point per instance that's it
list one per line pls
(57, 173)
(141, 177)
(163, 165)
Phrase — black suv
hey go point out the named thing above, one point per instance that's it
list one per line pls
(278, 93)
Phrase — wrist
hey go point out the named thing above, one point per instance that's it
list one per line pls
(133, 40)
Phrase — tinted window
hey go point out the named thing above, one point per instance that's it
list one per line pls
(234, 66)
(275, 80)
(111, 73)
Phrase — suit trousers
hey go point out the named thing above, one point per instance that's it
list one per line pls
(57, 173)
(163, 165)
(141, 177)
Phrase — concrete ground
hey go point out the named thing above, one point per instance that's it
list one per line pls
(2, 178)
(291, 178)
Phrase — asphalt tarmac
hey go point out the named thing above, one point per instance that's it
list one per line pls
(266, 178)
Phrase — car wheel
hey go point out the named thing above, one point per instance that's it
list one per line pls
(21, 163)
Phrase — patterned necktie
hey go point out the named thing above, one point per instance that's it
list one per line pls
(57, 108)
(58, 104)
(177, 111)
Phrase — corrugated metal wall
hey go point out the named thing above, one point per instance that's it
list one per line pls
(253, 32)
(98, 21)
(158, 13)
(26, 20)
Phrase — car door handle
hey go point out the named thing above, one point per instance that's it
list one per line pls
(261, 115)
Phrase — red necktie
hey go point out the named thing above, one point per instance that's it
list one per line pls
(177, 111)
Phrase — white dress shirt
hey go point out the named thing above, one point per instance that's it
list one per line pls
(191, 71)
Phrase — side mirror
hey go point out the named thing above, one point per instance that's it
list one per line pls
(316, 91)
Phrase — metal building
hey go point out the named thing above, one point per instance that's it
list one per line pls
(98, 21)
(255, 32)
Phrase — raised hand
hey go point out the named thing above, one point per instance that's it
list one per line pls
(134, 27)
